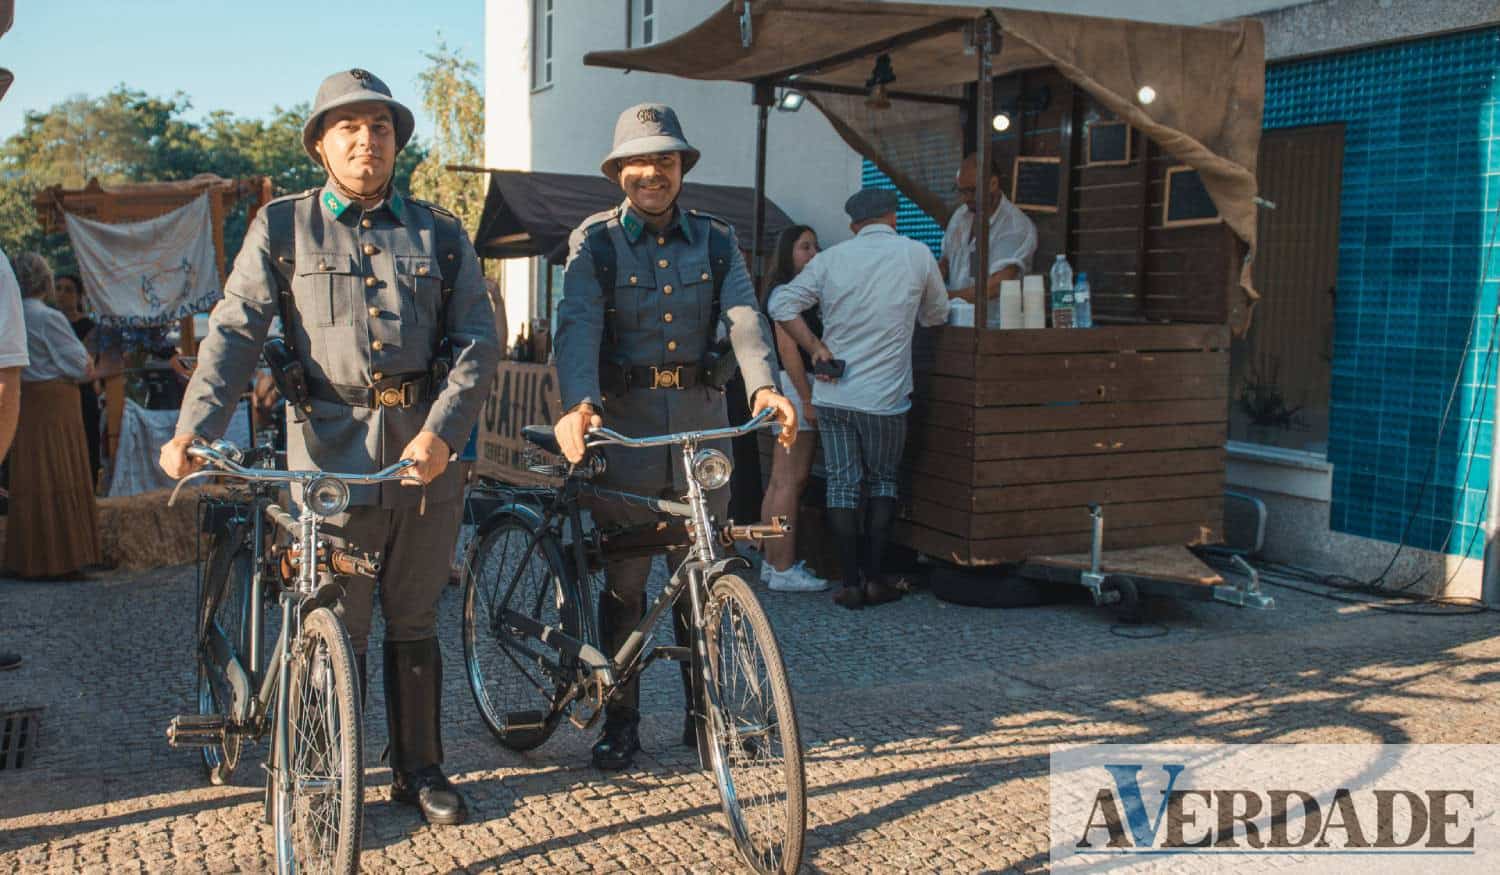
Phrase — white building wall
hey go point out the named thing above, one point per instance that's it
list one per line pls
(810, 171)
(508, 129)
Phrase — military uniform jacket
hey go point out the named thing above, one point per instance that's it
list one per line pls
(367, 305)
(663, 305)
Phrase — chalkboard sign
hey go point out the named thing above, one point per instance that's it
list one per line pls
(1187, 201)
(1108, 142)
(1035, 183)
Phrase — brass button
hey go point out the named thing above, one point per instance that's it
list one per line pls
(666, 289)
(370, 249)
(705, 276)
(634, 278)
(377, 376)
(371, 281)
(377, 346)
(307, 408)
(661, 241)
(366, 223)
(666, 317)
(421, 270)
(662, 263)
(671, 345)
(374, 311)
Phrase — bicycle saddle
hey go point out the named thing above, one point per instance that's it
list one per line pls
(542, 436)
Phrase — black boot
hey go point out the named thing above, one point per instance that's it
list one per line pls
(413, 707)
(684, 638)
(843, 522)
(620, 740)
(362, 665)
(882, 514)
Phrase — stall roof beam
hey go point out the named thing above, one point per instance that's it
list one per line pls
(889, 44)
(831, 88)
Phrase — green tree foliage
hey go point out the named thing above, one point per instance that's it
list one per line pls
(453, 99)
(129, 136)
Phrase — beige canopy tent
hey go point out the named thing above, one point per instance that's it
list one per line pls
(1209, 84)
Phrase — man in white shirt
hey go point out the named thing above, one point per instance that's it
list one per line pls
(1012, 236)
(873, 290)
(13, 357)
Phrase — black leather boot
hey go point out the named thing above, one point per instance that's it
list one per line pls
(362, 665)
(684, 638)
(619, 742)
(413, 707)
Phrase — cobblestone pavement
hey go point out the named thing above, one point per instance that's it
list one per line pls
(927, 728)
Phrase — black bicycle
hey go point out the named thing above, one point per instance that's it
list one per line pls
(307, 697)
(532, 651)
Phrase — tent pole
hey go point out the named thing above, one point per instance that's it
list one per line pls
(983, 37)
(763, 99)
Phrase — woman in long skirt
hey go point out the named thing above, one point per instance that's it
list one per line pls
(53, 525)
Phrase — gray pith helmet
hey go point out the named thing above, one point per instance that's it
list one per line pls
(353, 86)
(647, 129)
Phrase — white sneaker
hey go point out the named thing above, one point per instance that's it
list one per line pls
(794, 579)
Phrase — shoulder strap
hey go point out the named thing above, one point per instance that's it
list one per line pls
(602, 249)
(720, 255)
(447, 237)
(280, 218)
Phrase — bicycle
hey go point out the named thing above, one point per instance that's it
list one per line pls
(532, 651)
(307, 698)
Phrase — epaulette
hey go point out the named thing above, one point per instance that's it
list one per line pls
(598, 219)
(295, 196)
(722, 222)
(432, 206)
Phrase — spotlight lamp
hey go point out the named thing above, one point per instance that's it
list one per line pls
(791, 100)
(878, 96)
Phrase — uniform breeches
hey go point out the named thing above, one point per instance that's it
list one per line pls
(415, 552)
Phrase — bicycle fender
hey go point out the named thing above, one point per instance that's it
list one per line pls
(725, 566)
(524, 512)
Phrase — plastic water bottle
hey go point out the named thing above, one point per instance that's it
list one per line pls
(1062, 293)
(1083, 308)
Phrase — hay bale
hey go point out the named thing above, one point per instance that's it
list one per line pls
(138, 532)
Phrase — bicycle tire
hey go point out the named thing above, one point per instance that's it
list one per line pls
(755, 747)
(518, 683)
(326, 750)
(225, 610)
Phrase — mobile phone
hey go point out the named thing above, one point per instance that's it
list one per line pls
(831, 368)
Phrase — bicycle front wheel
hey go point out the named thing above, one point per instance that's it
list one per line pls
(325, 750)
(517, 681)
(755, 749)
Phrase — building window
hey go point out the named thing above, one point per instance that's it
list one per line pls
(541, 21)
(642, 23)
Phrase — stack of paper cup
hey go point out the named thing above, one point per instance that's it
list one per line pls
(1010, 304)
(1034, 301)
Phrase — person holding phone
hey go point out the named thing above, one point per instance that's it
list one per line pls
(872, 290)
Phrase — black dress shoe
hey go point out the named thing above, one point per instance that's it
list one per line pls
(617, 746)
(851, 597)
(880, 591)
(431, 792)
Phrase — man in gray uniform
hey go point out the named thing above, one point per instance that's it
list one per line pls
(385, 309)
(639, 310)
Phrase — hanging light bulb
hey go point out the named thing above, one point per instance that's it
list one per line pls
(1146, 95)
(1001, 122)
(882, 75)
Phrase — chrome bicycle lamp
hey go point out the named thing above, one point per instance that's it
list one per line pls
(327, 496)
(711, 468)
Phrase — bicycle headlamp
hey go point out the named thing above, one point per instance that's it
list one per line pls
(711, 469)
(327, 496)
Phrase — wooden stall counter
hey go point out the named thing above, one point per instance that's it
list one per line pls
(1012, 439)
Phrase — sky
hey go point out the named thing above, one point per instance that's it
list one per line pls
(245, 57)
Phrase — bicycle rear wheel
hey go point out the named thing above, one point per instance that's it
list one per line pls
(225, 625)
(518, 682)
(755, 749)
(325, 750)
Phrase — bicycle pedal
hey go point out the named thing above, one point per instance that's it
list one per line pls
(196, 730)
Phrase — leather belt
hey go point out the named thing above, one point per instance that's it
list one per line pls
(402, 390)
(666, 376)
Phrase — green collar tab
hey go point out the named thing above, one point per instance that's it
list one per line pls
(337, 206)
(632, 224)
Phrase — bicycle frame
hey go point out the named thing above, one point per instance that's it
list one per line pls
(604, 673)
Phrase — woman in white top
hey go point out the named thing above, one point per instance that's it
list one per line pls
(53, 526)
(790, 469)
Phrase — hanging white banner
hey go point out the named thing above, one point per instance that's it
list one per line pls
(148, 273)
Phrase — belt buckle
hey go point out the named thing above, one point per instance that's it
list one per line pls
(395, 396)
(670, 378)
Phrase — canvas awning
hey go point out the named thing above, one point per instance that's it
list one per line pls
(528, 213)
(1209, 82)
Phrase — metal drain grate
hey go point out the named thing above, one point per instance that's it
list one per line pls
(19, 733)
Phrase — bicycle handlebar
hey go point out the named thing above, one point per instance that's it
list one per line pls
(219, 455)
(598, 437)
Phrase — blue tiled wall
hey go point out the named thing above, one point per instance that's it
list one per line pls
(910, 220)
(1420, 186)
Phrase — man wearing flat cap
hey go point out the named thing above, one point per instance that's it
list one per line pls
(647, 287)
(383, 305)
(873, 290)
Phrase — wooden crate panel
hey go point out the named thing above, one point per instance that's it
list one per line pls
(1066, 469)
(1099, 442)
(1106, 338)
(1062, 520)
(996, 420)
(999, 368)
(994, 551)
(1048, 495)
